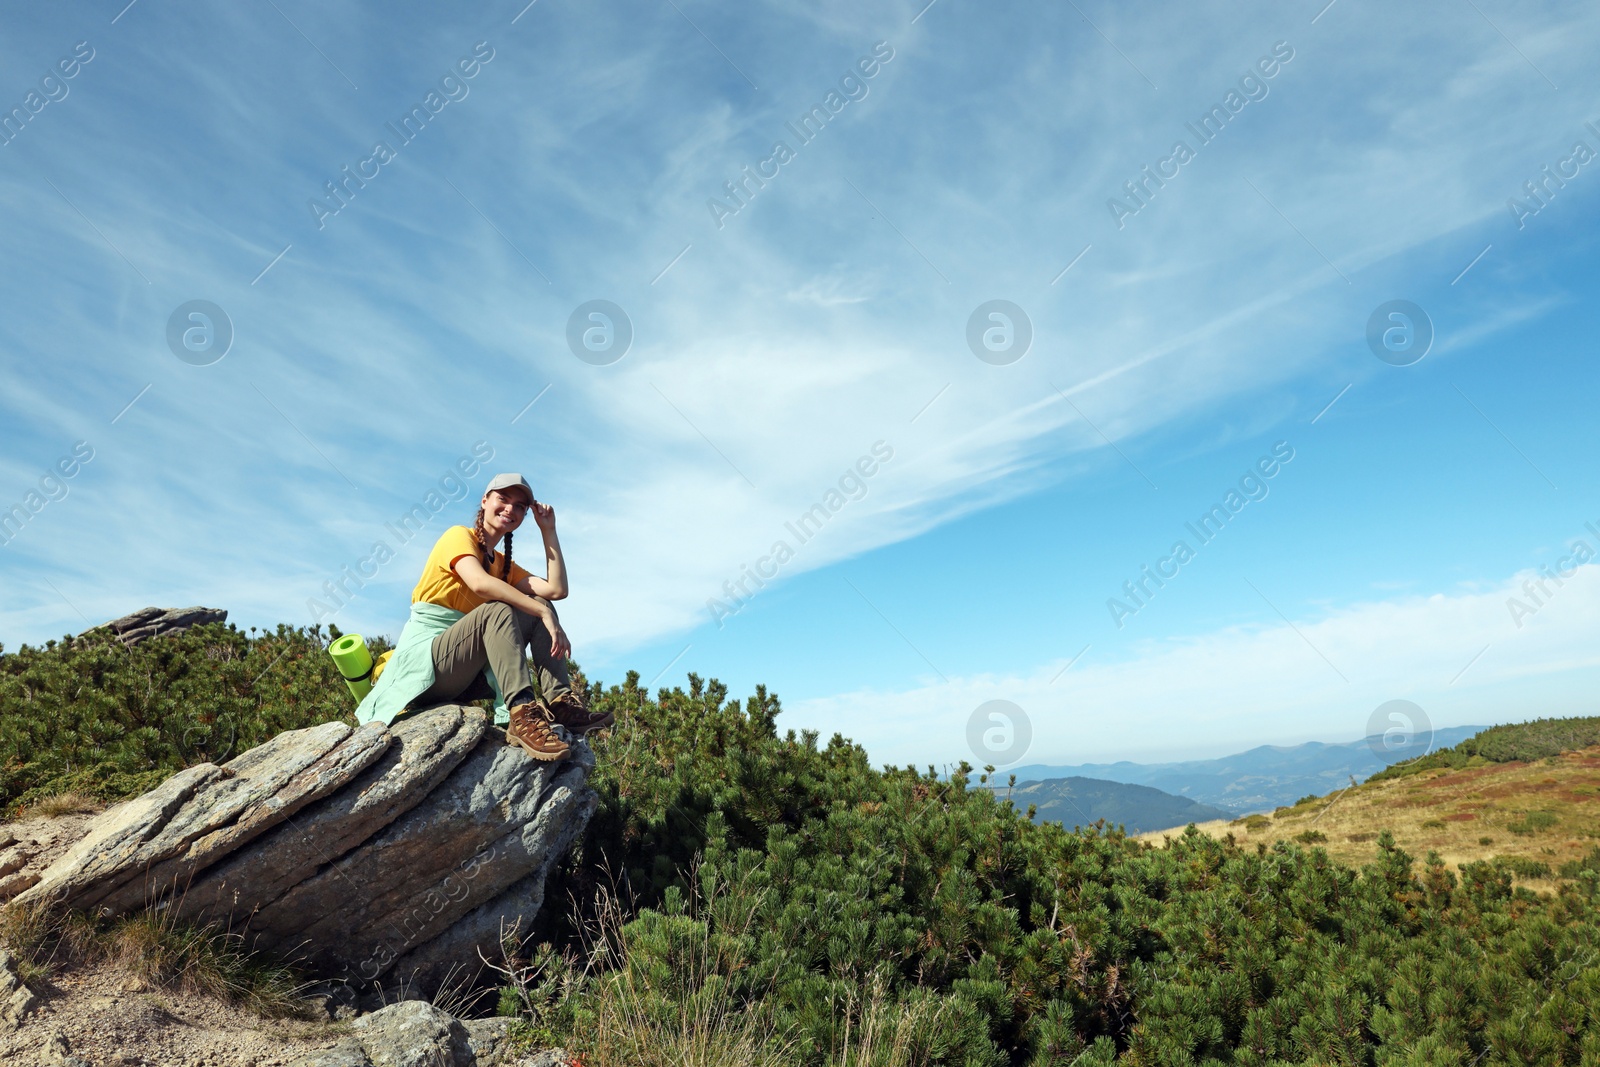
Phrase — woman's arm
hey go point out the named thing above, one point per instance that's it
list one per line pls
(483, 584)
(555, 586)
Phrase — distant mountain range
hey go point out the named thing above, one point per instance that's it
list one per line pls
(1261, 779)
(1081, 801)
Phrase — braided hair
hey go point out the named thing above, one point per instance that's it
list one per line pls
(486, 554)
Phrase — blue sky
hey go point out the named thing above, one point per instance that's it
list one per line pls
(1176, 341)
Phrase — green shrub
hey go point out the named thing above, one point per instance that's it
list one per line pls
(1540, 739)
(88, 715)
(1523, 867)
(779, 898)
(1311, 837)
(1575, 868)
(1031, 944)
(1533, 822)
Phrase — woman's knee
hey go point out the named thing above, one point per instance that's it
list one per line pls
(498, 611)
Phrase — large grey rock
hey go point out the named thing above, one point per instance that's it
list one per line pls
(389, 858)
(140, 852)
(476, 835)
(151, 622)
(29, 847)
(114, 841)
(452, 956)
(413, 1033)
(425, 748)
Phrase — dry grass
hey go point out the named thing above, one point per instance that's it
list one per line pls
(686, 1015)
(1524, 813)
(70, 803)
(152, 951)
(881, 1033)
(684, 1018)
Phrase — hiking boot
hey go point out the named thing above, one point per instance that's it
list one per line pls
(567, 709)
(529, 729)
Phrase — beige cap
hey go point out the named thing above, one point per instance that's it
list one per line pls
(507, 481)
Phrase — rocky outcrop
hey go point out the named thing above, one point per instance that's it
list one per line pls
(152, 622)
(423, 750)
(414, 1033)
(135, 853)
(388, 855)
(491, 824)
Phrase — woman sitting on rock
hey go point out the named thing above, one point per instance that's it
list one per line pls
(473, 614)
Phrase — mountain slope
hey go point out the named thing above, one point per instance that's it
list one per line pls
(1077, 801)
(1260, 779)
(1539, 819)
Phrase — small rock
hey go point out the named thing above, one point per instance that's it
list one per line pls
(55, 1051)
(413, 1033)
(487, 1038)
(550, 1057)
(347, 1053)
(16, 999)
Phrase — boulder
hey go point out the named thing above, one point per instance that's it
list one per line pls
(110, 850)
(488, 826)
(451, 957)
(137, 854)
(364, 854)
(30, 846)
(152, 622)
(422, 751)
(413, 1033)
(550, 1057)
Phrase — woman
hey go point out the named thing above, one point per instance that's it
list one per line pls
(473, 613)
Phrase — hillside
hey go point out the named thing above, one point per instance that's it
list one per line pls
(1079, 802)
(1538, 818)
(750, 895)
(1259, 779)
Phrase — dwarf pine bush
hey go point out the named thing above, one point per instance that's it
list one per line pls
(1012, 943)
(91, 716)
(786, 901)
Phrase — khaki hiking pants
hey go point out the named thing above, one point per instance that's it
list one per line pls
(498, 636)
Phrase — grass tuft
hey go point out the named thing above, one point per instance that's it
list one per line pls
(156, 950)
(71, 802)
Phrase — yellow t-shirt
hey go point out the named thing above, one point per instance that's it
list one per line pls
(439, 583)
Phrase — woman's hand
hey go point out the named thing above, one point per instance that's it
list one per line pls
(560, 647)
(545, 516)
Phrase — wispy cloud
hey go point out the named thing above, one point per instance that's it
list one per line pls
(1459, 656)
(415, 323)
